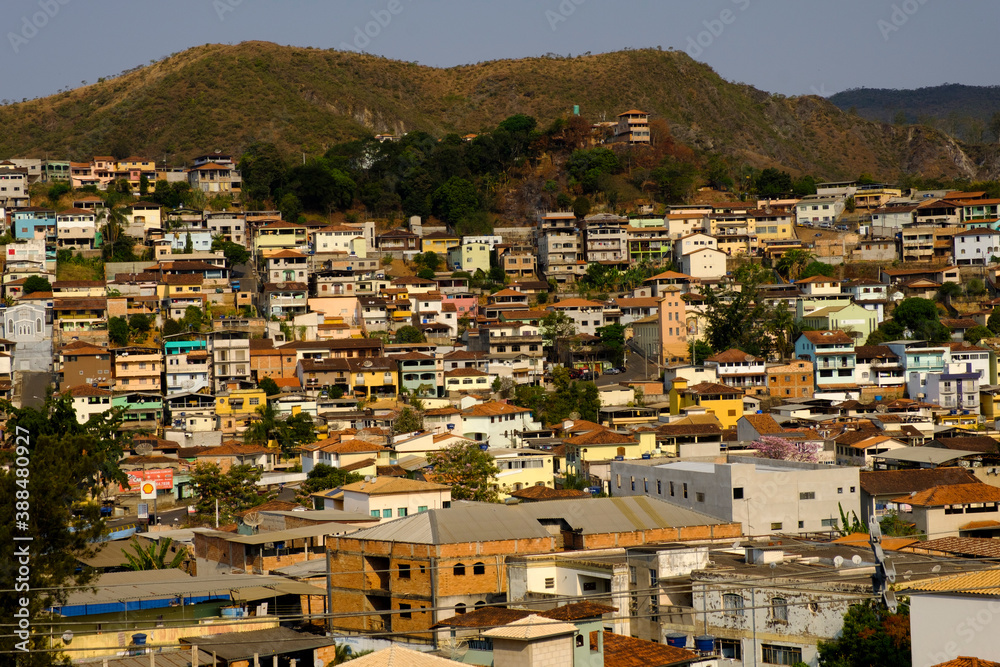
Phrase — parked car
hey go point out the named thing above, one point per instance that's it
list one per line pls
(612, 371)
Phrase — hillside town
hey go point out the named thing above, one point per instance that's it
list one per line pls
(707, 433)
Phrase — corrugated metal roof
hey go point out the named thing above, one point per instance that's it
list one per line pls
(611, 515)
(399, 656)
(531, 627)
(163, 659)
(162, 584)
(232, 646)
(468, 522)
(317, 530)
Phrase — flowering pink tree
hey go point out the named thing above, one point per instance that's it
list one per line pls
(772, 447)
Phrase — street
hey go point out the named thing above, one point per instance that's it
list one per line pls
(636, 368)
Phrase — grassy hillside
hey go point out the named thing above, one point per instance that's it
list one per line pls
(304, 100)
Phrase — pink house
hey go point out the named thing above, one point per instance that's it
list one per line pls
(467, 305)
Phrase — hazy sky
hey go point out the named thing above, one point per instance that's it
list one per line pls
(786, 46)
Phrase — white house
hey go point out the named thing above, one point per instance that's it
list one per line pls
(499, 424)
(955, 616)
(973, 356)
(340, 238)
(587, 316)
(779, 497)
(695, 241)
(957, 388)
(818, 210)
(976, 246)
(89, 401)
(705, 263)
(393, 497)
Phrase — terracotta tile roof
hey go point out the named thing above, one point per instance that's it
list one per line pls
(87, 390)
(960, 323)
(230, 448)
(442, 412)
(182, 279)
(602, 437)
(465, 372)
(689, 429)
(869, 352)
(352, 447)
(885, 482)
(488, 617)
(548, 493)
(966, 661)
(734, 356)
(985, 582)
(713, 388)
(972, 443)
(622, 651)
(576, 303)
(952, 494)
(271, 506)
(828, 337)
(358, 465)
(764, 424)
(976, 547)
(384, 486)
(493, 410)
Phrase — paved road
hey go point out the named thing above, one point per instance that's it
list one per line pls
(636, 368)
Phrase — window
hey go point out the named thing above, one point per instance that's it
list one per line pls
(254, 401)
(401, 511)
(699, 497)
(458, 570)
(376, 514)
(654, 608)
(776, 525)
(421, 508)
(659, 484)
(671, 488)
(802, 524)
(550, 582)
(579, 641)
(479, 568)
(631, 575)
(738, 493)
(653, 579)
(404, 571)
(773, 654)
(729, 648)
(632, 481)
(828, 523)
(840, 489)
(852, 489)
(685, 490)
(807, 495)
(386, 514)
(404, 611)
(732, 604)
(779, 609)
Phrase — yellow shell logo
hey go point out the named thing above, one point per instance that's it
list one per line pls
(148, 487)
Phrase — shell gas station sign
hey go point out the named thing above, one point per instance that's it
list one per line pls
(156, 480)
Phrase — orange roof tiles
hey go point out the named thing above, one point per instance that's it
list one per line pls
(952, 494)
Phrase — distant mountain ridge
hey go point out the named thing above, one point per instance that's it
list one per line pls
(220, 97)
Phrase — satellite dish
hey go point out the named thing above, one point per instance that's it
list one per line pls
(574, 416)
(908, 574)
(366, 363)
(856, 559)
(736, 544)
(936, 568)
(774, 565)
(838, 562)
(251, 519)
(67, 637)
(368, 478)
(749, 357)
(144, 449)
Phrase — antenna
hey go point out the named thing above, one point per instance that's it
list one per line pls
(252, 519)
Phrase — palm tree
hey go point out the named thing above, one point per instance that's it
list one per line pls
(264, 428)
(154, 556)
(114, 229)
(792, 263)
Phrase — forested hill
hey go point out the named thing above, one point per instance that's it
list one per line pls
(219, 97)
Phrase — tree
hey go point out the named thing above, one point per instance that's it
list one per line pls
(791, 263)
(613, 340)
(976, 334)
(993, 323)
(771, 447)
(153, 556)
(735, 316)
(772, 183)
(817, 268)
(921, 318)
(426, 274)
(994, 126)
(36, 284)
(701, 351)
(188, 244)
(581, 206)
(871, 636)
(263, 171)
(118, 331)
(432, 260)
(234, 253)
(455, 200)
(408, 421)
(948, 290)
(471, 472)
(290, 207)
(139, 323)
(556, 324)
(323, 477)
(975, 287)
(57, 467)
(289, 432)
(236, 489)
(269, 386)
(409, 334)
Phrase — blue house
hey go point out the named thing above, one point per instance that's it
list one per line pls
(27, 221)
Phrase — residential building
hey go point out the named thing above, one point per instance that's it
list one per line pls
(230, 359)
(398, 241)
(30, 222)
(976, 247)
(137, 369)
(76, 229)
(89, 401)
(279, 235)
(765, 498)
(341, 239)
(469, 256)
(956, 388)
(878, 366)
(393, 497)
(725, 402)
(560, 252)
(439, 243)
(215, 178)
(944, 620)
(605, 238)
(834, 358)
(84, 364)
(856, 321)
(518, 262)
(188, 367)
(944, 511)
(13, 187)
(705, 264)
(632, 127)
(587, 316)
(231, 227)
(498, 424)
(739, 369)
(794, 379)
(816, 210)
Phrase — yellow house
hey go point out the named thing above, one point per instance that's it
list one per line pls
(968, 422)
(723, 401)
(606, 445)
(989, 403)
(376, 377)
(440, 242)
(776, 226)
(235, 407)
(520, 469)
(470, 256)
(279, 235)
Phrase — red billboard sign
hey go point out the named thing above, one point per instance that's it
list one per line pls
(162, 478)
